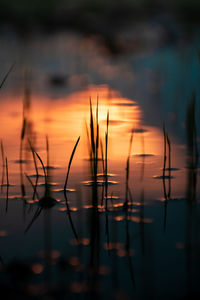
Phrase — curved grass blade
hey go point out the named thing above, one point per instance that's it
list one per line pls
(65, 187)
(33, 186)
(70, 161)
(43, 167)
(36, 168)
(92, 129)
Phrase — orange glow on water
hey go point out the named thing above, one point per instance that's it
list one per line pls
(64, 119)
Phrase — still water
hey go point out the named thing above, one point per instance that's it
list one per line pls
(138, 239)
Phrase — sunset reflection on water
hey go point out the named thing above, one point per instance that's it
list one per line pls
(111, 222)
(64, 119)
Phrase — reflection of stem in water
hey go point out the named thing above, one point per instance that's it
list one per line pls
(127, 192)
(130, 196)
(93, 141)
(142, 222)
(115, 267)
(130, 263)
(47, 243)
(70, 217)
(95, 243)
(107, 231)
(36, 215)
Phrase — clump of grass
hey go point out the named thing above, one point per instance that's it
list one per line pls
(46, 202)
(94, 141)
(96, 145)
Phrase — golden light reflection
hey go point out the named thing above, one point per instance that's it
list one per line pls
(64, 119)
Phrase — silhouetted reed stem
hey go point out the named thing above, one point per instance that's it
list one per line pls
(106, 161)
(7, 172)
(127, 172)
(6, 76)
(167, 195)
(36, 170)
(7, 184)
(69, 164)
(21, 155)
(65, 189)
(3, 164)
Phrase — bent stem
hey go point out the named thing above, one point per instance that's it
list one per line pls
(65, 190)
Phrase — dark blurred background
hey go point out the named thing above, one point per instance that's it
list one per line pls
(93, 15)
